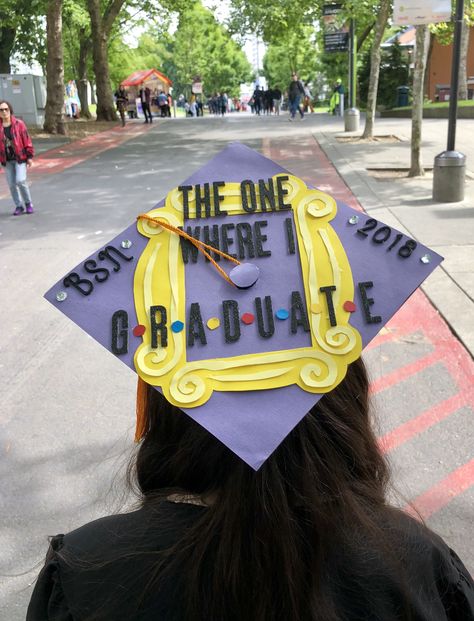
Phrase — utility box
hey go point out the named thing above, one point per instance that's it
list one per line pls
(27, 95)
(443, 92)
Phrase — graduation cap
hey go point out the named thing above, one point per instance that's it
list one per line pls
(244, 296)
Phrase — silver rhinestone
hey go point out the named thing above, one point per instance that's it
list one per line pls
(126, 243)
(353, 219)
(61, 296)
(426, 258)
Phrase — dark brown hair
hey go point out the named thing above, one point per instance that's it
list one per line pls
(4, 101)
(261, 551)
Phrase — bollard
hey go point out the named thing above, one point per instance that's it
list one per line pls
(351, 120)
(340, 108)
(449, 173)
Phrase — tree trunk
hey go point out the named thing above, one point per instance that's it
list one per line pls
(375, 55)
(363, 36)
(54, 113)
(462, 93)
(421, 52)
(7, 39)
(100, 28)
(105, 101)
(428, 61)
(84, 45)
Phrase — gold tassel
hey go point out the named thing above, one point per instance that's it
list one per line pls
(141, 408)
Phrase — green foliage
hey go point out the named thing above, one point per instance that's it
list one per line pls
(76, 24)
(272, 19)
(28, 25)
(394, 72)
(202, 47)
(284, 23)
(152, 52)
(444, 31)
(295, 52)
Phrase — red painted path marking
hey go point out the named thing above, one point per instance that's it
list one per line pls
(60, 158)
(424, 421)
(417, 316)
(434, 499)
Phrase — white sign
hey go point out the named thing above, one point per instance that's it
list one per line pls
(415, 12)
(197, 88)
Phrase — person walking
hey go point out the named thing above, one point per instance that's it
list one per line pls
(200, 109)
(16, 155)
(257, 100)
(335, 101)
(163, 104)
(224, 103)
(121, 101)
(295, 93)
(276, 100)
(308, 99)
(145, 98)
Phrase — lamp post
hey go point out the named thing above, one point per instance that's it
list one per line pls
(352, 114)
(449, 170)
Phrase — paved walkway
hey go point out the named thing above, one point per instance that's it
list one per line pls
(57, 475)
(67, 154)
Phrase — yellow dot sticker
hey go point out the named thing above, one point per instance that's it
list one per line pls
(213, 323)
(316, 308)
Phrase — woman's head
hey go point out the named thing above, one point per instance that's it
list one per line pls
(332, 450)
(319, 490)
(6, 110)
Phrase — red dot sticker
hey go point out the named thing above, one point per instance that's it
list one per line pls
(248, 318)
(139, 330)
(349, 306)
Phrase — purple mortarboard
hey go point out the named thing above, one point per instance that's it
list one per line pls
(243, 296)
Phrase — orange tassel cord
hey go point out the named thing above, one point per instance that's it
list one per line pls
(141, 409)
(201, 246)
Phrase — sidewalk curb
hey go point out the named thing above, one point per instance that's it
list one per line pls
(453, 304)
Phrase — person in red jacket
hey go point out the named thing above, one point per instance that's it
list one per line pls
(16, 154)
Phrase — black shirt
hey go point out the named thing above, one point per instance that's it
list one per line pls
(295, 89)
(112, 560)
(8, 138)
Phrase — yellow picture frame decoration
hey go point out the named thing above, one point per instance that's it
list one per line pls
(317, 368)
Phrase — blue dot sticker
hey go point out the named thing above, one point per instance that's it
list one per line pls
(282, 314)
(177, 326)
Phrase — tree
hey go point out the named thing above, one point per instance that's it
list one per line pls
(380, 25)
(7, 40)
(277, 20)
(465, 32)
(203, 47)
(102, 19)
(22, 32)
(421, 53)
(272, 19)
(77, 45)
(54, 113)
(103, 15)
(296, 51)
(394, 72)
(154, 49)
